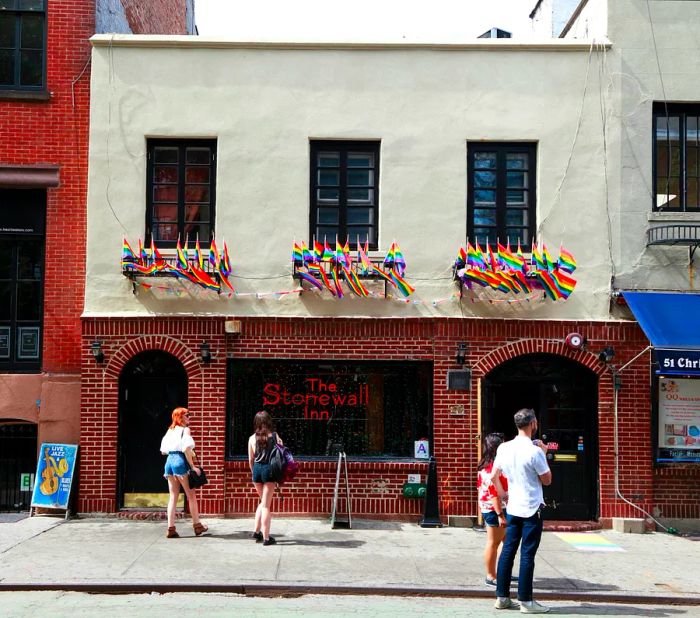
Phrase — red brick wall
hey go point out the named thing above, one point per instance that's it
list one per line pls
(375, 486)
(156, 16)
(56, 131)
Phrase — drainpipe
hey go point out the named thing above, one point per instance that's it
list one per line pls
(617, 385)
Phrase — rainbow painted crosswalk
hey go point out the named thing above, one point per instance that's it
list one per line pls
(588, 541)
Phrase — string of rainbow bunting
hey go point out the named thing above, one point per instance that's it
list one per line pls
(189, 265)
(309, 265)
(511, 272)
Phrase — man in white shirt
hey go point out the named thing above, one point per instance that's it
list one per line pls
(524, 463)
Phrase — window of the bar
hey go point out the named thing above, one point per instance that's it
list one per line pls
(678, 437)
(367, 409)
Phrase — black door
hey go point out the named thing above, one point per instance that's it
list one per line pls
(564, 396)
(151, 385)
(17, 457)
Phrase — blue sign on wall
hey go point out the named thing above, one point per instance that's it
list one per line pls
(54, 475)
(678, 362)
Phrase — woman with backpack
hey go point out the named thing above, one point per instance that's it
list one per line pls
(260, 447)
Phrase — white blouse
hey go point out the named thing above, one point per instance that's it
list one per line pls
(177, 439)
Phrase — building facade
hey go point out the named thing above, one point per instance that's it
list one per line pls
(44, 111)
(429, 147)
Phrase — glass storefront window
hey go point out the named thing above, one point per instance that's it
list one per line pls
(368, 409)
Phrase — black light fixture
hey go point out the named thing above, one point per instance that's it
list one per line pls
(96, 349)
(606, 355)
(205, 352)
(461, 355)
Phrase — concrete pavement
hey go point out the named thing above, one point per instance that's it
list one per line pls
(372, 558)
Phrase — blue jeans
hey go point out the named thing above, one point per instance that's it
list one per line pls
(529, 530)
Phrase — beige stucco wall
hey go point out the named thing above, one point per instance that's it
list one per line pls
(423, 103)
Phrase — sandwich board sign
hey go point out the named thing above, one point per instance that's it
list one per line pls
(54, 476)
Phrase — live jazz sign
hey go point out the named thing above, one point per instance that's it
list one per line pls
(316, 397)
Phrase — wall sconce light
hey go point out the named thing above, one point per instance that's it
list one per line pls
(461, 355)
(96, 349)
(606, 355)
(205, 352)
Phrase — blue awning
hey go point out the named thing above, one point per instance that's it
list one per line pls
(668, 319)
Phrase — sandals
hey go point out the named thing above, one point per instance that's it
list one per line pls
(172, 533)
(200, 529)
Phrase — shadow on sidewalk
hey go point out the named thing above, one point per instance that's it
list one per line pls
(569, 583)
(614, 609)
(349, 544)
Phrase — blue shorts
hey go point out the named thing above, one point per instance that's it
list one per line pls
(490, 518)
(176, 464)
(261, 473)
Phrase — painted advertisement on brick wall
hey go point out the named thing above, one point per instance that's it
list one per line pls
(679, 419)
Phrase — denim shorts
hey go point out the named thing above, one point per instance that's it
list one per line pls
(490, 518)
(261, 473)
(176, 464)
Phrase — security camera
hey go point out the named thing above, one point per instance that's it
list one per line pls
(606, 355)
(575, 341)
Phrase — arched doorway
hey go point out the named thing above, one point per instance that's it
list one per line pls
(564, 394)
(18, 452)
(151, 385)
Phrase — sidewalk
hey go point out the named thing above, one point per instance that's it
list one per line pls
(310, 556)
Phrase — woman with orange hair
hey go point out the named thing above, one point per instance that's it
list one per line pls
(178, 445)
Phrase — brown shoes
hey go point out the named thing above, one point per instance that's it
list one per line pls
(172, 533)
(199, 529)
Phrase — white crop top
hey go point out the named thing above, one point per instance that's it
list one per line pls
(177, 439)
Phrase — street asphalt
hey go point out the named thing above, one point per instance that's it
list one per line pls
(373, 558)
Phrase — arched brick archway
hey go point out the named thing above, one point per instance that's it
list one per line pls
(100, 413)
(521, 374)
(512, 350)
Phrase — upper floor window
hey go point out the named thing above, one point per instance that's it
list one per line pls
(181, 190)
(344, 191)
(501, 193)
(22, 44)
(676, 157)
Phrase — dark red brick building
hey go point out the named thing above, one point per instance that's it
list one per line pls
(44, 115)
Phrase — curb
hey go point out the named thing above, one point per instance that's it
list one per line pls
(296, 590)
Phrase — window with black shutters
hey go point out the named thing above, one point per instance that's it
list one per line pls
(344, 191)
(181, 191)
(676, 157)
(501, 193)
(22, 45)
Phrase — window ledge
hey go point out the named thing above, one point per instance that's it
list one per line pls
(25, 95)
(672, 217)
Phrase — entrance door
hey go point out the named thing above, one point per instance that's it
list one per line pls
(564, 396)
(151, 385)
(17, 456)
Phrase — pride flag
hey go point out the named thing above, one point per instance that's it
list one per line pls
(297, 255)
(566, 261)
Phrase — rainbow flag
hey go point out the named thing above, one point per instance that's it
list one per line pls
(306, 253)
(225, 263)
(143, 253)
(506, 257)
(475, 257)
(214, 254)
(297, 255)
(336, 281)
(493, 260)
(477, 276)
(204, 279)
(156, 256)
(355, 283)
(198, 254)
(128, 254)
(549, 262)
(310, 279)
(521, 257)
(318, 251)
(399, 261)
(186, 248)
(461, 260)
(346, 253)
(364, 261)
(536, 259)
(318, 271)
(400, 283)
(564, 283)
(548, 284)
(566, 261)
(328, 254)
(181, 259)
(389, 259)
